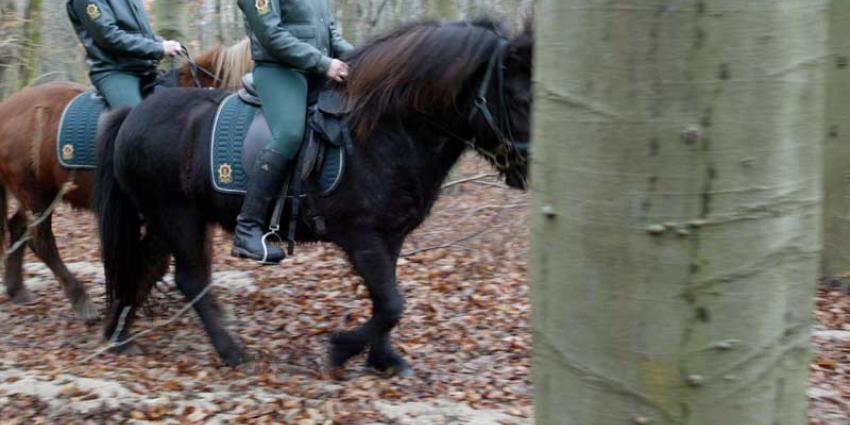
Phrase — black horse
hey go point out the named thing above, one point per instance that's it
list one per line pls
(419, 97)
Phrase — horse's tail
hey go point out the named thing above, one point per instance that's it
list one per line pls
(118, 219)
(4, 225)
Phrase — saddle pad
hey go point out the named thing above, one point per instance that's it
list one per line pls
(230, 148)
(75, 143)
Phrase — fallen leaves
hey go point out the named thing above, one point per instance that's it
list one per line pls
(465, 329)
(465, 332)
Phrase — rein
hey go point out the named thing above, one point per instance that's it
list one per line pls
(194, 68)
(508, 152)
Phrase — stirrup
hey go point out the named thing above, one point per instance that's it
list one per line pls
(263, 241)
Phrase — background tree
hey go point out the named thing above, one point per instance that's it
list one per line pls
(676, 210)
(42, 46)
(171, 19)
(9, 23)
(836, 256)
(32, 30)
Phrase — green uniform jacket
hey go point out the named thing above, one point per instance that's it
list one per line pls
(300, 34)
(116, 34)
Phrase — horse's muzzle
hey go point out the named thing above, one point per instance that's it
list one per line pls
(516, 178)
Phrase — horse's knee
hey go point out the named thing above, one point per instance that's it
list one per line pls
(390, 312)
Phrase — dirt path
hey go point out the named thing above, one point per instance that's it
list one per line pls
(465, 331)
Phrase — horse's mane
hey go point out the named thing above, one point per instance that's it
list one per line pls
(228, 63)
(419, 67)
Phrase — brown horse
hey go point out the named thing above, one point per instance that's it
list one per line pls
(30, 171)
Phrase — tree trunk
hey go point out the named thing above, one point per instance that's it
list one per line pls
(8, 42)
(219, 22)
(836, 255)
(171, 22)
(676, 210)
(31, 42)
(442, 9)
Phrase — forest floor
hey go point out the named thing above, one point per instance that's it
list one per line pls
(465, 331)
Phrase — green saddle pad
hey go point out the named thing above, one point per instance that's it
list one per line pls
(240, 130)
(75, 143)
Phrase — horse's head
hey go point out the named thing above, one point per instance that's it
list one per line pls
(463, 81)
(501, 109)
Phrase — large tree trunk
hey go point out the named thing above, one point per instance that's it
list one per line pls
(676, 213)
(31, 43)
(171, 22)
(836, 255)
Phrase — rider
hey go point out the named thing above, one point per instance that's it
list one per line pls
(122, 49)
(293, 42)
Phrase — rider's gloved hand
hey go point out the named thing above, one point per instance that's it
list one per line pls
(338, 71)
(172, 48)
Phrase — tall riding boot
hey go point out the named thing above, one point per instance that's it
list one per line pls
(251, 239)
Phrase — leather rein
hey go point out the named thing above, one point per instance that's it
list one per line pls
(508, 152)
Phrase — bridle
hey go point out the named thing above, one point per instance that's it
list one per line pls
(194, 68)
(508, 152)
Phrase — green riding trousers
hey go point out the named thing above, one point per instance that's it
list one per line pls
(284, 95)
(120, 89)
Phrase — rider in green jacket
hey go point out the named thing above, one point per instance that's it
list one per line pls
(121, 48)
(293, 42)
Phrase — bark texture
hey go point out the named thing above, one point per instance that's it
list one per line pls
(676, 215)
(836, 255)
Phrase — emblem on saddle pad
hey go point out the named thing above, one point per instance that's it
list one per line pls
(68, 152)
(93, 11)
(262, 6)
(225, 173)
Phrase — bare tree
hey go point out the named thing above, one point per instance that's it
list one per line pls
(32, 31)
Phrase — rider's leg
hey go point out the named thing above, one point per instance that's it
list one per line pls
(119, 89)
(284, 95)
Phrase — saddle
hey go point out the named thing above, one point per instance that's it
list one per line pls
(75, 139)
(240, 132)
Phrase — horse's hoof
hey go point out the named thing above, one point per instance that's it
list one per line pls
(23, 298)
(343, 346)
(389, 365)
(331, 373)
(130, 348)
(86, 311)
(235, 357)
(395, 371)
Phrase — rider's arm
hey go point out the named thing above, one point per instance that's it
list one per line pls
(339, 46)
(279, 42)
(99, 20)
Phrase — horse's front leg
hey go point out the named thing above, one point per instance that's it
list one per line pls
(375, 261)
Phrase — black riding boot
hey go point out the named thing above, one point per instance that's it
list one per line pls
(251, 240)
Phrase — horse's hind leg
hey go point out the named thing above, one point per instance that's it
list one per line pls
(43, 245)
(13, 275)
(155, 256)
(375, 261)
(190, 242)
